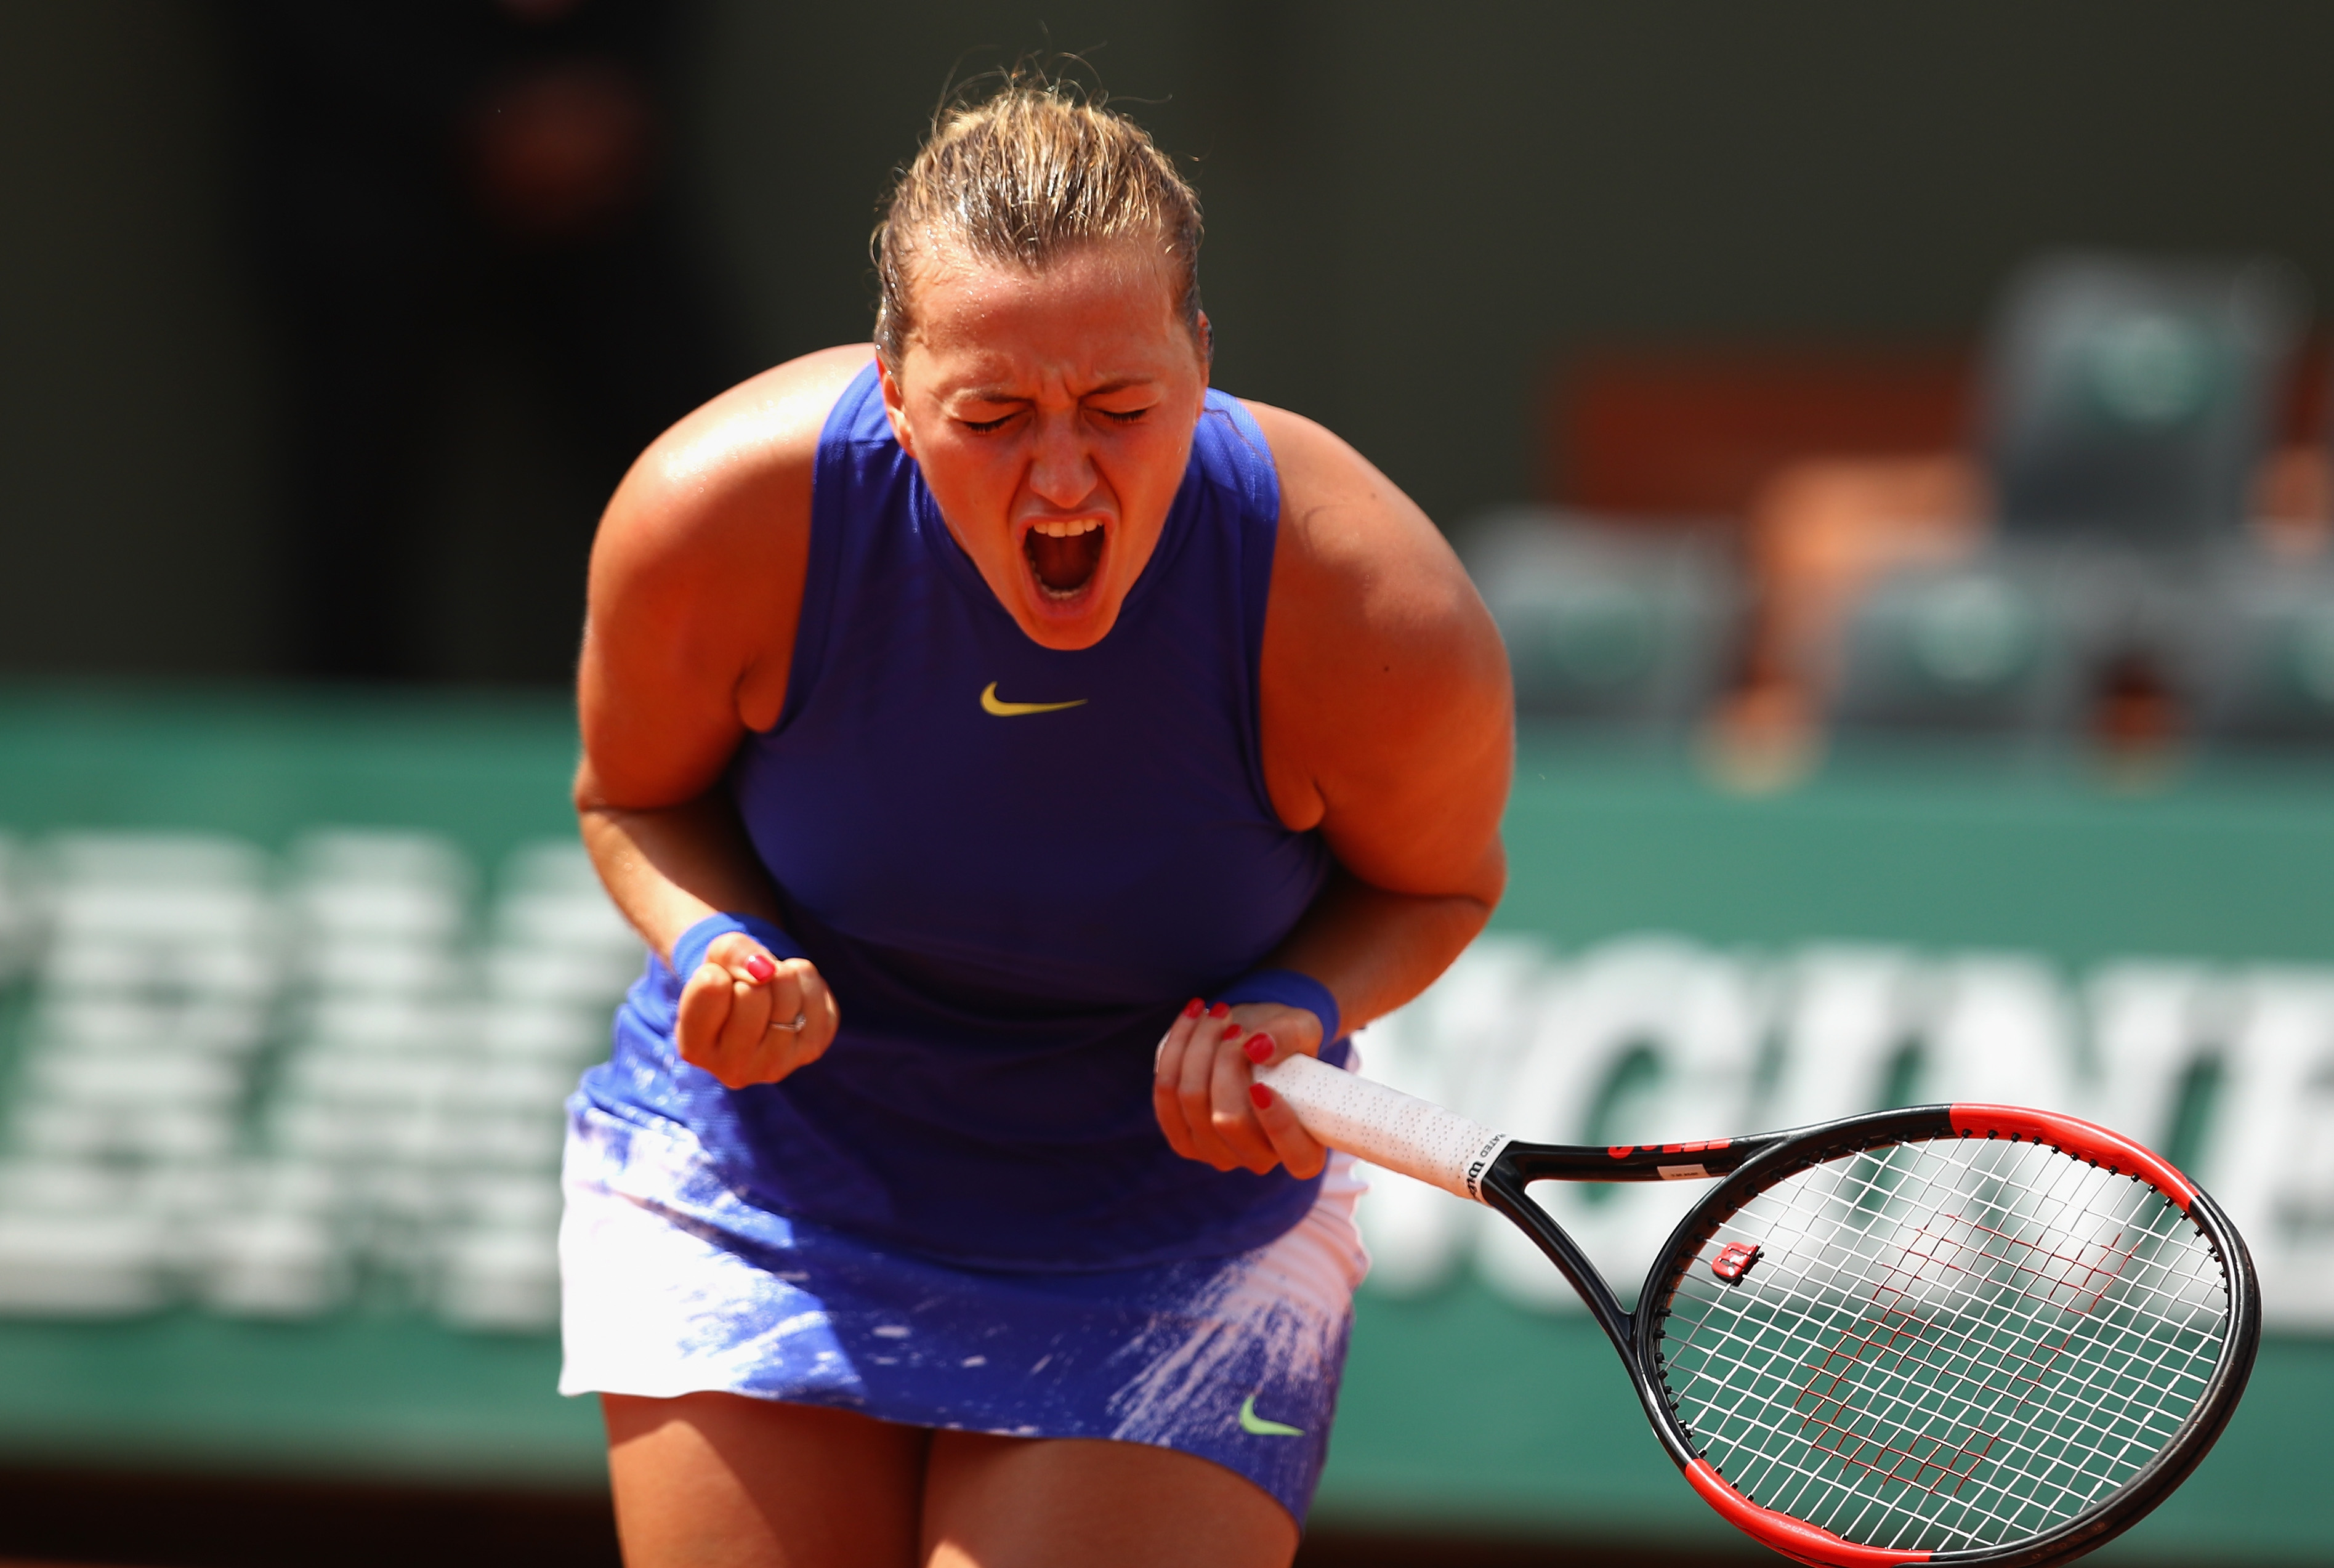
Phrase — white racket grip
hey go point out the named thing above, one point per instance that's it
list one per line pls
(1386, 1126)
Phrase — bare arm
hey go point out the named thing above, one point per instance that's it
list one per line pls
(695, 587)
(670, 866)
(1389, 726)
(1377, 949)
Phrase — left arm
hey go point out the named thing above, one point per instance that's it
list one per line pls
(1389, 726)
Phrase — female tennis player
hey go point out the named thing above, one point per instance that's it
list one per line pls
(1004, 741)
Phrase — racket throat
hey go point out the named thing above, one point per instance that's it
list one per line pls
(1503, 1190)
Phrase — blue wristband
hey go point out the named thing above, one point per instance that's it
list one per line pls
(1289, 989)
(688, 952)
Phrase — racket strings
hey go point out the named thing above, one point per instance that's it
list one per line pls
(1929, 1451)
(1826, 1397)
(1932, 1450)
(1928, 1448)
(1828, 1400)
(1946, 1345)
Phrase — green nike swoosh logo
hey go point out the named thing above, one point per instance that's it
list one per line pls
(1252, 1422)
(990, 702)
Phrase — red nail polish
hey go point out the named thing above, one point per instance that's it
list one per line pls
(1259, 1048)
(1193, 1008)
(1220, 1010)
(1231, 1029)
(1260, 1094)
(760, 968)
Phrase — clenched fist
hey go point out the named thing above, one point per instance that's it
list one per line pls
(749, 1017)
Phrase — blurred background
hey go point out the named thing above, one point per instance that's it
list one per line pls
(1895, 443)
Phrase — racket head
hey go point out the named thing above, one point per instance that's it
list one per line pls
(1953, 1334)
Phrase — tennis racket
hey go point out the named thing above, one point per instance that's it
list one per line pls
(1951, 1334)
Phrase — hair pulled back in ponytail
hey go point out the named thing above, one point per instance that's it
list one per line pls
(1024, 177)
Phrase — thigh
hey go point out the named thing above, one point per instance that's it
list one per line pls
(722, 1481)
(1037, 1502)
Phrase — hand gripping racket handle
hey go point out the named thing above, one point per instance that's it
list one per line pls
(1386, 1126)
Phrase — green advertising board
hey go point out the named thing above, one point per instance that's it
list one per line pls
(1673, 946)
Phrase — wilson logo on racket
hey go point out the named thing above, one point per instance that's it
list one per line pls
(1479, 1165)
(1624, 1150)
(1987, 1335)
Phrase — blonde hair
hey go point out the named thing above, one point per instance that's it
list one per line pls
(1023, 177)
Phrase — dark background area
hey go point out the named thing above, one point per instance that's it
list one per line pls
(208, 1522)
(1419, 217)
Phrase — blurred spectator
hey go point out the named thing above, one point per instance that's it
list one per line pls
(1820, 531)
(1823, 529)
(2174, 488)
(428, 171)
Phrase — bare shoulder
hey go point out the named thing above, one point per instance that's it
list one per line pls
(697, 577)
(1386, 694)
(740, 463)
(1354, 548)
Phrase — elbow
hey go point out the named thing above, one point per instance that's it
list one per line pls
(1489, 882)
(584, 793)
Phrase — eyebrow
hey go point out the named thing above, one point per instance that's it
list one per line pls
(1002, 396)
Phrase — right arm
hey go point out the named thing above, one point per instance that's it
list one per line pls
(695, 587)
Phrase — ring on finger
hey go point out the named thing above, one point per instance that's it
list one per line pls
(802, 1017)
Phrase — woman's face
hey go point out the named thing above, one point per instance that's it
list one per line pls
(1051, 413)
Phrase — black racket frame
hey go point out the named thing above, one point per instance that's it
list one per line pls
(1747, 1167)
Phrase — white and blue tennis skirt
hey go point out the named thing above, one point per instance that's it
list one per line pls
(675, 1284)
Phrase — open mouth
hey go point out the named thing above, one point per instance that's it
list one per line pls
(1064, 557)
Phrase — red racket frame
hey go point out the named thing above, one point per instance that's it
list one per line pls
(1748, 1166)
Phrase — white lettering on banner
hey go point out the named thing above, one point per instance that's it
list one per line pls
(1848, 1013)
(1643, 1041)
(2003, 1033)
(2265, 1156)
(250, 1083)
(1419, 1232)
(1656, 1039)
(2151, 1025)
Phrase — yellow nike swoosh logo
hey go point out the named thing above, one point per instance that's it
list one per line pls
(990, 702)
(1252, 1422)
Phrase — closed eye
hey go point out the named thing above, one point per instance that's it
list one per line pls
(1127, 417)
(984, 426)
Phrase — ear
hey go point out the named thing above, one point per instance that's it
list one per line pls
(895, 407)
(1207, 351)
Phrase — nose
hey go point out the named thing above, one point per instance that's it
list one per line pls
(1061, 472)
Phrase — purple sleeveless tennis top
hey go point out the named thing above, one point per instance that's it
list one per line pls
(1010, 903)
